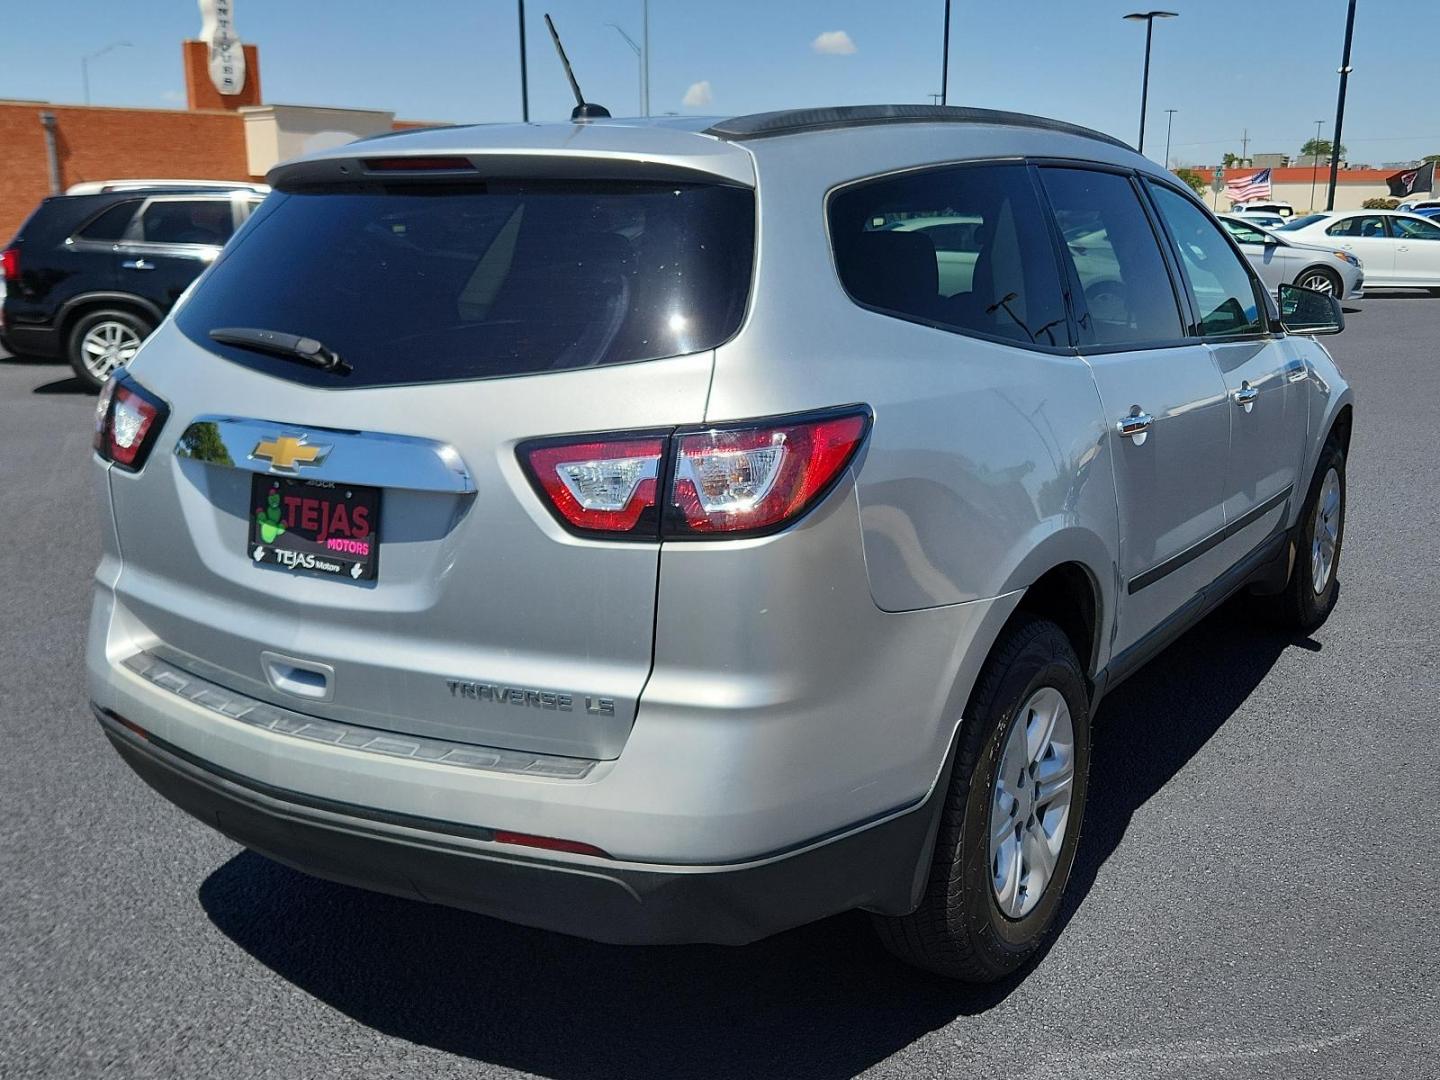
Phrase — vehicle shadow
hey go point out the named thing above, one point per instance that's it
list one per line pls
(824, 1001)
(71, 385)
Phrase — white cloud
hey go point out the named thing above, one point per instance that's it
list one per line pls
(173, 95)
(699, 95)
(833, 43)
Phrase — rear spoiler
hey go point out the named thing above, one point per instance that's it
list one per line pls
(377, 167)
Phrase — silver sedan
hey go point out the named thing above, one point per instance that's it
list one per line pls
(1279, 261)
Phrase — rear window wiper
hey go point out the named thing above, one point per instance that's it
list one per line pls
(304, 350)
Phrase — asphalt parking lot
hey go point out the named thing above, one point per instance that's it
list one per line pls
(1255, 897)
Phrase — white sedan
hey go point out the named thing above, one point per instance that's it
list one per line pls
(1398, 250)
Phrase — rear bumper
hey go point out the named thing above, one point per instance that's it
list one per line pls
(39, 341)
(874, 866)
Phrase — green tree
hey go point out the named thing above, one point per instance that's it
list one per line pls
(1230, 159)
(1429, 157)
(1197, 182)
(1319, 148)
(202, 440)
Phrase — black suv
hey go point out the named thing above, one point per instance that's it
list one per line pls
(87, 277)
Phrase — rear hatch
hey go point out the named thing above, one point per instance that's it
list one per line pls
(470, 313)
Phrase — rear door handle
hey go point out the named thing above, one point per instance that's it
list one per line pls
(1245, 396)
(137, 264)
(1136, 426)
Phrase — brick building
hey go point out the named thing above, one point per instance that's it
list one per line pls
(47, 148)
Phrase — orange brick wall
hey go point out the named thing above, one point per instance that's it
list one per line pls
(200, 92)
(111, 144)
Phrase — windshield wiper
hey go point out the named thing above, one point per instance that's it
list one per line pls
(304, 350)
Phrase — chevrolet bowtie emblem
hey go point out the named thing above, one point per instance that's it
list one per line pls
(287, 453)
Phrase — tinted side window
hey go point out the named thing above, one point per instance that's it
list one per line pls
(1116, 258)
(1222, 287)
(179, 221)
(1243, 233)
(1358, 226)
(1414, 229)
(111, 224)
(964, 248)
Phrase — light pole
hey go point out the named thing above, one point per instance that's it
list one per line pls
(645, 69)
(1315, 162)
(524, 73)
(1340, 106)
(945, 59)
(635, 47)
(1169, 120)
(1149, 18)
(85, 63)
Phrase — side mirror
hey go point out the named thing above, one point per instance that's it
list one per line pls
(1271, 241)
(1303, 311)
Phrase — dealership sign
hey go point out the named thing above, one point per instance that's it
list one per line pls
(227, 58)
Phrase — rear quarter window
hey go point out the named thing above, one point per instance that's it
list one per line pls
(962, 248)
(413, 284)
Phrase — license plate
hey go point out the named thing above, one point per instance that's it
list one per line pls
(315, 526)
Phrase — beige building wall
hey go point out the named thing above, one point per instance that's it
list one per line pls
(276, 133)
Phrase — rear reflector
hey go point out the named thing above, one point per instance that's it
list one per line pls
(730, 480)
(128, 419)
(549, 843)
(419, 164)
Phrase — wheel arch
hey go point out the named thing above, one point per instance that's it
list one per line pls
(1069, 579)
(78, 306)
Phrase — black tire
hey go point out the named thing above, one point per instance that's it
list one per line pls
(959, 930)
(98, 319)
(1299, 607)
(1305, 279)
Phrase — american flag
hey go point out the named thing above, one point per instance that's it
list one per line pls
(1244, 188)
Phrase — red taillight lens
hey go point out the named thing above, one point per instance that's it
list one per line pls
(127, 420)
(601, 486)
(758, 477)
(419, 164)
(730, 480)
(10, 265)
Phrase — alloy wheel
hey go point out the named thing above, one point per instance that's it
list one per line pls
(106, 346)
(1030, 806)
(1325, 532)
(1317, 282)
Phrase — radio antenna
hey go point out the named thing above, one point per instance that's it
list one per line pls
(583, 110)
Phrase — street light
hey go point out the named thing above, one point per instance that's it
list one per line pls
(1344, 74)
(1314, 163)
(1149, 18)
(639, 56)
(85, 63)
(1169, 120)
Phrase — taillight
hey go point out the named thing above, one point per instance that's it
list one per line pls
(735, 479)
(601, 486)
(128, 419)
(10, 265)
(752, 478)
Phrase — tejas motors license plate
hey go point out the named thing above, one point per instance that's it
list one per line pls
(315, 526)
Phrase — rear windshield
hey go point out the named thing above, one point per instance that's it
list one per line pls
(415, 284)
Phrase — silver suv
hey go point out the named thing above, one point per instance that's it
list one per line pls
(682, 530)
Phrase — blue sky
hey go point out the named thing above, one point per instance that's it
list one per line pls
(1225, 65)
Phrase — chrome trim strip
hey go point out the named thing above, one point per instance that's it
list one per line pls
(354, 457)
(272, 718)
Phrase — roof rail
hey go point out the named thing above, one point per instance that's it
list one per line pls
(797, 121)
